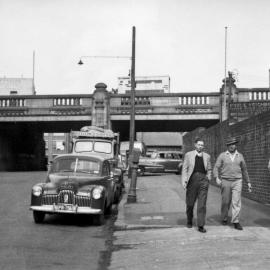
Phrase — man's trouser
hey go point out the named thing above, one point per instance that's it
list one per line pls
(231, 195)
(197, 188)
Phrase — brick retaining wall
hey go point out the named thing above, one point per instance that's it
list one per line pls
(254, 143)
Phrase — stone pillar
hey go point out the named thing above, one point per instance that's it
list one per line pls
(101, 107)
(231, 96)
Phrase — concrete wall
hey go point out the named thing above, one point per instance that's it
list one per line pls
(254, 143)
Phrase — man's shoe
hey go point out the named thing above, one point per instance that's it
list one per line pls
(238, 226)
(201, 229)
(224, 222)
(189, 225)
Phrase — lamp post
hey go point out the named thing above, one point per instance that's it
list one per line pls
(133, 166)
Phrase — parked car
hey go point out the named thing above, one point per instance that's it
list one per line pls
(147, 165)
(171, 161)
(77, 184)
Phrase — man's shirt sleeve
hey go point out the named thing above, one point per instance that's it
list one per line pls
(244, 169)
(217, 166)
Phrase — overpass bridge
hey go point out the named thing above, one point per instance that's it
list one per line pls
(24, 118)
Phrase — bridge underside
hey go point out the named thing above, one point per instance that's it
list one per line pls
(122, 126)
(22, 146)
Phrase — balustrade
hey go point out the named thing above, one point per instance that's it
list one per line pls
(67, 101)
(12, 102)
(194, 100)
(259, 95)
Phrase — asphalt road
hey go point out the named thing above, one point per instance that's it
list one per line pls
(61, 242)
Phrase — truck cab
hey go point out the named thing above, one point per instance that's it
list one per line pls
(97, 141)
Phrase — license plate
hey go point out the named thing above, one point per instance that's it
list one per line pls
(65, 207)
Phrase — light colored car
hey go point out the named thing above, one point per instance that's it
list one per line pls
(171, 161)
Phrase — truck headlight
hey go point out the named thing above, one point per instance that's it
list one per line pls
(37, 190)
(97, 192)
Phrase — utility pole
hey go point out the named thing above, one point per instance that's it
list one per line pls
(225, 79)
(34, 87)
(269, 78)
(229, 97)
(132, 167)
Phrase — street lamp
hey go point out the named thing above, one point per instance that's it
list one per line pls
(133, 167)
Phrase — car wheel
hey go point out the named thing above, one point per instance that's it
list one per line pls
(108, 209)
(38, 216)
(99, 219)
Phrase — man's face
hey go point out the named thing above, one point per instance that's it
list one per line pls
(231, 148)
(199, 145)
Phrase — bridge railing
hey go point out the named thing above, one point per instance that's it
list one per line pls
(194, 103)
(259, 95)
(45, 105)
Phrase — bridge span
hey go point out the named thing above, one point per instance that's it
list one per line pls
(24, 118)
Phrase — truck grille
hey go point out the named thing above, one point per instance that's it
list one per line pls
(72, 198)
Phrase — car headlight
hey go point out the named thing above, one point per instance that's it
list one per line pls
(97, 192)
(37, 190)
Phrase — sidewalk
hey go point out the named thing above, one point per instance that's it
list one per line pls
(151, 233)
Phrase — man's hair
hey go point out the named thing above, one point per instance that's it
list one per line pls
(198, 139)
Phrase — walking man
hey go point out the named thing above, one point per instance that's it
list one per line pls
(196, 174)
(230, 169)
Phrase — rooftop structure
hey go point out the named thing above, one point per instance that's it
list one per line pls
(17, 86)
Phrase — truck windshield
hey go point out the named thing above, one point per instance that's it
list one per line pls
(89, 146)
(83, 146)
(103, 147)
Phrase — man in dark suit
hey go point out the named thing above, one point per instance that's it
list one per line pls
(196, 174)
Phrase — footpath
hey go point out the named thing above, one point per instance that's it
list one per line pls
(152, 233)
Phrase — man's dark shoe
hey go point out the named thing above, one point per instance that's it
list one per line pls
(224, 222)
(189, 224)
(238, 226)
(201, 229)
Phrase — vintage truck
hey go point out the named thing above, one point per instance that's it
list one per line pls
(105, 143)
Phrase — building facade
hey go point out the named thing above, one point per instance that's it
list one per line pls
(145, 83)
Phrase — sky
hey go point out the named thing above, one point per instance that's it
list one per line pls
(184, 39)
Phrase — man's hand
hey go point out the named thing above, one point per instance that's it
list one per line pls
(249, 187)
(185, 185)
(218, 181)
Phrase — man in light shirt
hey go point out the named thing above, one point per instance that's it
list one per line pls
(230, 170)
